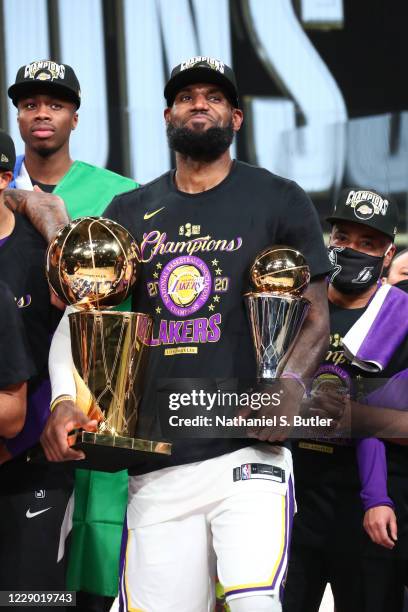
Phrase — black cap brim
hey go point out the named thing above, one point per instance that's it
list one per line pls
(22, 90)
(333, 220)
(200, 75)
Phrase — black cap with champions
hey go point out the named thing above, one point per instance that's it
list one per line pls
(49, 75)
(202, 69)
(367, 207)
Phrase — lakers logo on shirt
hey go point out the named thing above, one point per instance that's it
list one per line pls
(185, 285)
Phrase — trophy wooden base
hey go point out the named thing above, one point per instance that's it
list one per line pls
(107, 453)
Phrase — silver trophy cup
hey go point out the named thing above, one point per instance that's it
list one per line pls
(276, 308)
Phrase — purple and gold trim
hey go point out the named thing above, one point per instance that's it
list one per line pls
(279, 569)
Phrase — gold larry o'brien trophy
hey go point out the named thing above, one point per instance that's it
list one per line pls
(276, 308)
(92, 265)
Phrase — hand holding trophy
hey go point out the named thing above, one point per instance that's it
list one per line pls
(92, 265)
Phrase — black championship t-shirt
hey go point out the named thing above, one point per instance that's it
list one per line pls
(197, 250)
(16, 365)
(43, 186)
(22, 268)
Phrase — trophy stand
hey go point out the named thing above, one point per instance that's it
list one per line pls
(275, 321)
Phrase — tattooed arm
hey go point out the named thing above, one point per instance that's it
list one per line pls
(45, 211)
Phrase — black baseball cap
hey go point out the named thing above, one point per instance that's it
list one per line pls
(367, 207)
(7, 152)
(48, 74)
(201, 69)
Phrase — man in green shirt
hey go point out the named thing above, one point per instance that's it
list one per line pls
(47, 96)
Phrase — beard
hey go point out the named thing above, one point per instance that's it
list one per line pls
(206, 146)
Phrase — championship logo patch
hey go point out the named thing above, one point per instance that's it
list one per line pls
(44, 71)
(331, 376)
(185, 285)
(210, 62)
(364, 211)
(366, 204)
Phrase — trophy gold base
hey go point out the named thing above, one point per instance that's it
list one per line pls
(135, 444)
(107, 453)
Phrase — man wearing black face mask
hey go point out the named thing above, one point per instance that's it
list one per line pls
(361, 244)
(328, 542)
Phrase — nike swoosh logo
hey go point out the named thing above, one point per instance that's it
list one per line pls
(149, 215)
(30, 514)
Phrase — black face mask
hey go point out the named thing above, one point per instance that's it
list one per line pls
(403, 285)
(354, 272)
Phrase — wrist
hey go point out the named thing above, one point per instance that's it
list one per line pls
(379, 504)
(59, 400)
(295, 376)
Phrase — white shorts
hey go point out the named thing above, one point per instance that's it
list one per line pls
(243, 537)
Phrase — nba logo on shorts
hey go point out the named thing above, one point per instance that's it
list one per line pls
(40, 494)
(246, 471)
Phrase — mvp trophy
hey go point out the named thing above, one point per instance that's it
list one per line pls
(276, 308)
(92, 265)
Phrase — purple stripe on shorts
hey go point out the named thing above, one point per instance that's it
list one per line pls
(288, 503)
(249, 590)
(291, 515)
(291, 507)
(289, 510)
(123, 603)
(281, 592)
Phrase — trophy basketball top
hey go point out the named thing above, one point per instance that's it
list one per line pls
(92, 263)
(280, 269)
